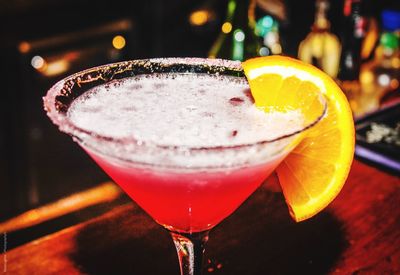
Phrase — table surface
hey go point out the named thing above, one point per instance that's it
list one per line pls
(359, 233)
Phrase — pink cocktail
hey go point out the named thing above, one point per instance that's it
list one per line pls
(181, 137)
(188, 201)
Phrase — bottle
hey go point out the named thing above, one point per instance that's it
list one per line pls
(237, 40)
(352, 37)
(321, 47)
(381, 75)
(353, 32)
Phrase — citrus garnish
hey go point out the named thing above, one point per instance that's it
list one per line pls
(313, 174)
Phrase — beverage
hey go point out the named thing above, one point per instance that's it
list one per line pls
(184, 139)
(197, 111)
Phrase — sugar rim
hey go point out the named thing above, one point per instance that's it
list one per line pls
(60, 119)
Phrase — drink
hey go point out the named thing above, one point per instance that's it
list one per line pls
(181, 136)
(201, 111)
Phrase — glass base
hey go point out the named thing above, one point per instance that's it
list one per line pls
(190, 249)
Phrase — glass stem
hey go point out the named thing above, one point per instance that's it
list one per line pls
(190, 249)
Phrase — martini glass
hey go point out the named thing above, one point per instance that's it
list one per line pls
(172, 183)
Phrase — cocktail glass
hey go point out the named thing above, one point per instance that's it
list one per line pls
(173, 184)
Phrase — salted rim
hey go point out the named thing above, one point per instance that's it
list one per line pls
(216, 66)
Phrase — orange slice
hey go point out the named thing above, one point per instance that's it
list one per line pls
(313, 174)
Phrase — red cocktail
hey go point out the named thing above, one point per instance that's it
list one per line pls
(182, 137)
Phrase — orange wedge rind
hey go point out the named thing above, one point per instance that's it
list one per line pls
(313, 174)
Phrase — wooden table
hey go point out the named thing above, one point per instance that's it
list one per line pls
(359, 233)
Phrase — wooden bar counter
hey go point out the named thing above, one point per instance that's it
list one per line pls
(359, 233)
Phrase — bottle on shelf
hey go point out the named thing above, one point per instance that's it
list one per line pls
(353, 33)
(381, 76)
(321, 47)
(237, 40)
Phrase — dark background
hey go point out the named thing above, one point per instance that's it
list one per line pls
(38, 164)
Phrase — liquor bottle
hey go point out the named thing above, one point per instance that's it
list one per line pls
(237, 40)
(352, 36)
(321, 47)
(381, 75)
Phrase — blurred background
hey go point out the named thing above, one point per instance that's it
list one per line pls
(43, 41)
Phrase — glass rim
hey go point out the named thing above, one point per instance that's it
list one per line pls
(56, 111)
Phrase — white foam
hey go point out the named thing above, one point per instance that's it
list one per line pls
(179, 110)
(184, 110)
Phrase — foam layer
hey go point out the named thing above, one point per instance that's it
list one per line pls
(162, 120)
(180, 110)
